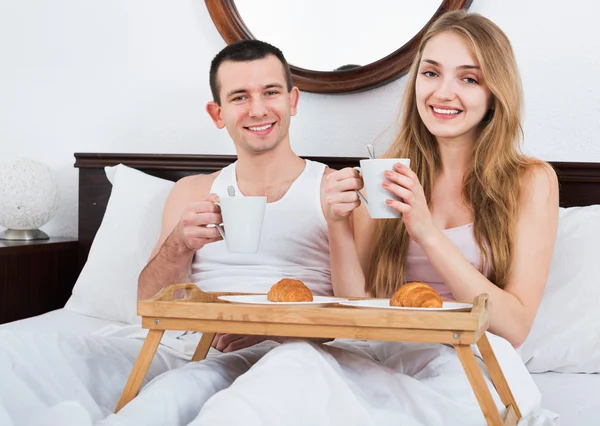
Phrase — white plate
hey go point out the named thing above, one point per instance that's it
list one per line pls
(261, 299)
(385, 304)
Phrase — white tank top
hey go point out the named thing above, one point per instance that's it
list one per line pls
(294, 242)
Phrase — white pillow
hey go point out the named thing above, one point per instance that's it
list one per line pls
(107, 285)
(566, 333)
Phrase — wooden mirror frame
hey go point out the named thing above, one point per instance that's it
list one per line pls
(232, 28)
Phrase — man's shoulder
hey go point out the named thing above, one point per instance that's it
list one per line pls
(194, 187)
(198, 179)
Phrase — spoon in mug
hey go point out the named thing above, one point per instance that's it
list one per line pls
(231, 192)
(371, 151)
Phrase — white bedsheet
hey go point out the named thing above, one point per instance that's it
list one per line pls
(59, 321)
(344, 384)
(573, 396)
(418, 385)
(71, 379)
(63, 365)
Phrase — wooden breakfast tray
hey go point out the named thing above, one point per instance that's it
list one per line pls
(204, 312)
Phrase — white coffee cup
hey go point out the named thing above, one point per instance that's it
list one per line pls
(243, 220)
(372, 172)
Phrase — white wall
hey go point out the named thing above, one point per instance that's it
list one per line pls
(132, 76)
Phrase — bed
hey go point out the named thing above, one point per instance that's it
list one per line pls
(61, 321)
(101, 218)
(573, 396)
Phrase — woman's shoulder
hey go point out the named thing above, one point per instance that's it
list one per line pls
(538, 181)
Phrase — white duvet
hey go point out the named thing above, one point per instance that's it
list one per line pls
(71, 380)
(43, 375)
(376, 383)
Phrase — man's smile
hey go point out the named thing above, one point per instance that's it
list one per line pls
(261, 129)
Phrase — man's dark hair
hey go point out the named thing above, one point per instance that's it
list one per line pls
(242, 51)
(347, 67)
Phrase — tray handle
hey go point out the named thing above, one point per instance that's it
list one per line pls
(190, 292)
(481, 303)
(481, 308)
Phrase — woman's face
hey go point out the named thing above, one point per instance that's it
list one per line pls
(451, 97)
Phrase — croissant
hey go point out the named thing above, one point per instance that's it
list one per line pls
(289, 290)
(416, 295)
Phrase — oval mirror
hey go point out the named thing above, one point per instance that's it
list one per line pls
(333, 47)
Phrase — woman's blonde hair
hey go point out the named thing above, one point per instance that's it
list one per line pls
(491, 183)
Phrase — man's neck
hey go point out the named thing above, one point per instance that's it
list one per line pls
(269, 173)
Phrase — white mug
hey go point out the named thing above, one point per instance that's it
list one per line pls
(243, 220)
(372, 172)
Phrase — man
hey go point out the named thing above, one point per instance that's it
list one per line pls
(253, 98)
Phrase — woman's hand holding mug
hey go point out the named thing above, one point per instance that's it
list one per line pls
(373, 173)
(340, 194)
(404, 184)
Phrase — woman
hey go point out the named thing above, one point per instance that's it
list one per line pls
(478, 216)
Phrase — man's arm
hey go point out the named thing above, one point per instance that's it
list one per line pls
(183, 232)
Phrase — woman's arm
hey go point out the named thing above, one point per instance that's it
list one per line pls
(339, 202)
(515, 306)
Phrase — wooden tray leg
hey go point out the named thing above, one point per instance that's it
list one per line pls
(140, 368)
(498, 379)
(482, 393)
(203, 346)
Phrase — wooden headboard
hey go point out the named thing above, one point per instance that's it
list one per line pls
(579, 182)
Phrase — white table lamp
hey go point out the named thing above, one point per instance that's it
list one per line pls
(28, 199)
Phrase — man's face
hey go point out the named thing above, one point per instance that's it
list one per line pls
(255, 104)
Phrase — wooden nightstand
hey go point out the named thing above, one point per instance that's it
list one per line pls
(36, 276)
